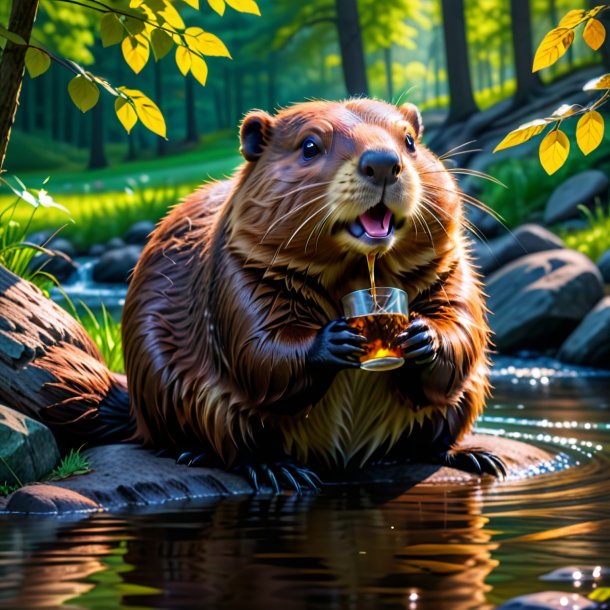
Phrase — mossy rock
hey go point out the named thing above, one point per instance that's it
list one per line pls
(26, 446)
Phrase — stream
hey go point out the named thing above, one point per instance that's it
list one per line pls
(449, 546)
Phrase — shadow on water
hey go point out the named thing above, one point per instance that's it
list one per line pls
(448, 546)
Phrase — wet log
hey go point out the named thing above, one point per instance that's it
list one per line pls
(51, 370)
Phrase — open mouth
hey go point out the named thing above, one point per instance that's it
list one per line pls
(377, 222)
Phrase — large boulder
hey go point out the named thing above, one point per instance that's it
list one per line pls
(49, 499)
(603, 265)
(526, 239)
(539, 299)
(589, 344)
(581, 189)
(58, 262)
(139, 232)
(27, 448)
(115, 266)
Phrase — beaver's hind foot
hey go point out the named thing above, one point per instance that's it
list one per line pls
(475, 461)
(280, 476)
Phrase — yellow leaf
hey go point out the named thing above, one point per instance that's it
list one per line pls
(594, 33)
(523, 133)
(572, 19)
(596, 10)
(192, 3)
(170, 15)
(111, 30)
(125, 113)
(83, 92)
(136, 51)
(218, 6)
(199, 69)
(554, 150)
(150, 115)
(599, 82)
(135, 3)
(601, 594)
(589, 131)
(552, 47)
(244, 6)
(161, 43)
(566, 110)
(205, 43)
(183, 60)
(37, 62)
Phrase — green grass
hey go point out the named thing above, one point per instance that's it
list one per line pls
(72, 464)
(595, 239)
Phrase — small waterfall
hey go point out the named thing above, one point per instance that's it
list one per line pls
(81, 287)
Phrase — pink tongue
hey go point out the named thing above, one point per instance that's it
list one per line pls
(376, 221)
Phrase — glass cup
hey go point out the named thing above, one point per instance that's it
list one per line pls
(379, 315)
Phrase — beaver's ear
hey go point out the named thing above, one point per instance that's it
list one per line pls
(413, 115)
(255, 133)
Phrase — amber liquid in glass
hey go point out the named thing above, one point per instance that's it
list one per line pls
(380, 329)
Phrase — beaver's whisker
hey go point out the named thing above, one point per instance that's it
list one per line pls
(289, 213)
(464, 171)
(303, 187)
(306, 221)
(429, 208)
(324, 220)
(455, 148)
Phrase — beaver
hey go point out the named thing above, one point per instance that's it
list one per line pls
(235, 345)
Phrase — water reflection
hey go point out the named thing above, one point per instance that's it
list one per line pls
(449, 546)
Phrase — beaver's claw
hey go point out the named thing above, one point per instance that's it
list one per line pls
(475, 461)
(281, 476)
(419, 342)
(337, 345)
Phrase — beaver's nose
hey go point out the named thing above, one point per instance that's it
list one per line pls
(380, 166)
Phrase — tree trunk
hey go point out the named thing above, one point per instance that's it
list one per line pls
(97, 154)
(12, 66)
(387, 59)
(521, 28)
(352, 50)
(461, 102)
(239, 96)
(58, 99)
(191, 116)
(272, 81)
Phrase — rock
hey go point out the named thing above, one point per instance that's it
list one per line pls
(126, 475)
(581, 189)
(96, 250)
(60, 264)
(485, 223)
(549, 600)
(139, 232)
(45, 499)
(27, 446)
(603, 264)
(539, 299)
(589, 344)
(115, 243)
(526, 239)
(115, 266)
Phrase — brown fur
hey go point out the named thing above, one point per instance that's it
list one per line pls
(237, 280)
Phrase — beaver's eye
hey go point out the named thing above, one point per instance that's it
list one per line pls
(410, 142)
(310, 149)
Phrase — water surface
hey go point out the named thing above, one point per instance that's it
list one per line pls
(449, 546)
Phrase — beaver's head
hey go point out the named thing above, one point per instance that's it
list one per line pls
(327, 182)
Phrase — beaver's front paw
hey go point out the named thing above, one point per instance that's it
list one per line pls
(475, 461)
(281, 476)
(337, 345)
(419, 343)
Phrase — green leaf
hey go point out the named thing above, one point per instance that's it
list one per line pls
(111, 30)
(125, 113)
(136, 52)
(15, 38)
(36, 61)
(161, 43)
(83, 92)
